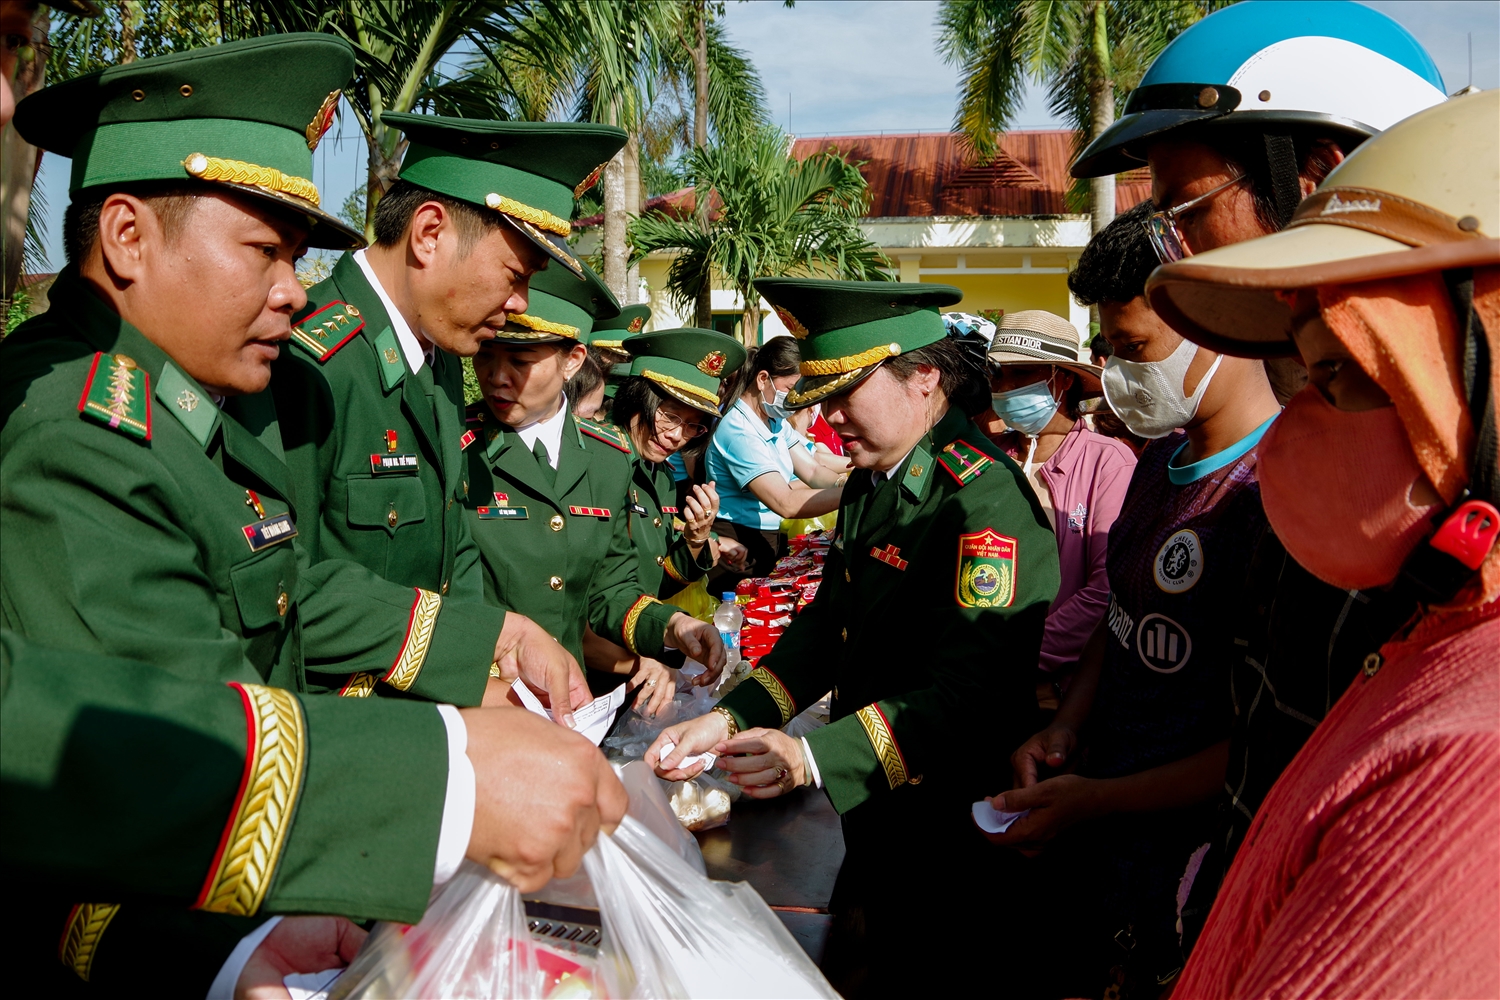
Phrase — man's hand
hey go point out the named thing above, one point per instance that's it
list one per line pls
(765, 762)
(1051, 747)
(1055, 805)
(699, 508)
(297, 944)
(542, 795)
(691, 738)
(700, 641)
(525, 650)
(733, 554)
(656, 683)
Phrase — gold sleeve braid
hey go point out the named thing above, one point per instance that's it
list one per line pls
(887, 750)
(80, 939)
(424, 615)
(633, 618)
(785, 704)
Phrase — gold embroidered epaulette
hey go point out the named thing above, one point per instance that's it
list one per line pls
(325, 331)
(117, 394)
(608, 433)
(964, 462)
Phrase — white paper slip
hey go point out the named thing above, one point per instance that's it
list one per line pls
(992, 820)
(592, 720)
(706, 758)
(310, 985)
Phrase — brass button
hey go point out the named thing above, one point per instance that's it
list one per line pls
(450, 503)
(186, 90)
(657, 522)
(445, 586)
(556, 524)
(282, 603)
(846, 574)
(555, 583)
(845, 634)
(466, 487)
(1372, 664)
(661, 560)
(391, 518)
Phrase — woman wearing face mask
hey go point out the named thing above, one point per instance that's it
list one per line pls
(1080, 477)
(763, 472)
(1373, 867)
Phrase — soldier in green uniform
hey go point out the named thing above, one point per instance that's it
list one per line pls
(926, 628)
(371, 392)
(547, 490)
(141, 519)
(606, 344)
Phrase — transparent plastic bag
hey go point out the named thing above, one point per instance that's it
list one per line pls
(695, 600)
(671, 932)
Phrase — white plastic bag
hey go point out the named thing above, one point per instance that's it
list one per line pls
(671, 932)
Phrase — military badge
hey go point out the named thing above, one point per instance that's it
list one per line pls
(589, 181)
(322, 121)
(325, 331)
(589, 511)
(890, 555)
(713, 364)
(790, 322)
(122, 401)
(636, 324)
(986, 570)
(964, 462)
(1179, 562)
(466, 440)
(608, 433)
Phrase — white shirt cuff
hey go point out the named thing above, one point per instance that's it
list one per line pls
(458, 803)
(812, 764)
(222, 988)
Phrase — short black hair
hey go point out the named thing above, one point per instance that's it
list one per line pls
(1117, 261)
(1244, 148)
(172, 201)
(590, 376)
(638, 396)
(947, 356)
(777, 357)
(394, 213)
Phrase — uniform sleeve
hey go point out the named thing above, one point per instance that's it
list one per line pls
(94, 557)
(617, 606)
(680, 564)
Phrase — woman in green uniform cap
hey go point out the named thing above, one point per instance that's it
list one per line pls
(546, 494)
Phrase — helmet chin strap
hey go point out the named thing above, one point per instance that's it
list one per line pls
(1286, 179)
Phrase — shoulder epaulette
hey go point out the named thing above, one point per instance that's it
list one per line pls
(119, 396)
(322, 333)
(964, 462)
(608, 433)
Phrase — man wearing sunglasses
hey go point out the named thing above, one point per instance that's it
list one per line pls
(1239, 119)
(548, 495)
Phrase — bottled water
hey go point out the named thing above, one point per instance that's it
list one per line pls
(727, 619)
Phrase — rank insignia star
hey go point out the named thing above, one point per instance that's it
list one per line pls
(713, 364)
(187, 400)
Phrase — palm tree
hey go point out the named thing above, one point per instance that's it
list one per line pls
(775, 215)
(1089, 53)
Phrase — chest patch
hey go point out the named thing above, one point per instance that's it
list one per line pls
(1179, 562)
(263, 534)
(393, 462)
(986, 570)
(589, 511)
(501, 513)
(1163, 645)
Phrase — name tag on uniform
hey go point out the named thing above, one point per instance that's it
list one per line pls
(262, 534)
(502, 513)
(636, 508)
(589, 511)
(392, 462)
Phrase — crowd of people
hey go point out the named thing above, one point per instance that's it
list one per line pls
(1163, 660)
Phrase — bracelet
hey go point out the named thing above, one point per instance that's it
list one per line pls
(734, 725)
(841, 479)
(495, 668)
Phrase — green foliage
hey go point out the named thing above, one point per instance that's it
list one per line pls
(138, 29)
(471, 383)
(777, 216)
(19, 312)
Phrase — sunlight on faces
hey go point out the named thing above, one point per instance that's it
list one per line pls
(239, 252)
(1181, 170)
(523, 383)
(675, 424)
(882, 418)
(1136, 333)
(461, 298)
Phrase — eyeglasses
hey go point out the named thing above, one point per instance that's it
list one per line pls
(668, 422)
(1161, 227)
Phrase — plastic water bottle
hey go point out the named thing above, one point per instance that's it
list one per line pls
(727, 619)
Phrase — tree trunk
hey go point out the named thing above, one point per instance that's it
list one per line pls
(127, 31)
(614, 226)
(18, 166)
(1102, 102)
(750, 317)
(704, 314)
(384, 166)
(635, 197)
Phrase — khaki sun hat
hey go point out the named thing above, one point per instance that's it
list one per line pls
(1038, 337)
(1422, 196)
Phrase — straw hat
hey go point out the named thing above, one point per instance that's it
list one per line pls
(1035, 336)
(1423, 196)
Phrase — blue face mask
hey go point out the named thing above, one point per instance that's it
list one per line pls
(1028, 409)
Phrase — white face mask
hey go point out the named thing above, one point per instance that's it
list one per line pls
(1148, 396)
(775, 410)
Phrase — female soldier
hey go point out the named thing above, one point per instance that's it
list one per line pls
(545, 491)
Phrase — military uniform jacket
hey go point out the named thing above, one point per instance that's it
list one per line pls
(561, 554)
(374, 450)
(927, 627)
(665, 564)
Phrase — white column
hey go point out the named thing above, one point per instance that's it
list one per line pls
(911, 267)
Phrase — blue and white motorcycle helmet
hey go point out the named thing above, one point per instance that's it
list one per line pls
(1279, 66)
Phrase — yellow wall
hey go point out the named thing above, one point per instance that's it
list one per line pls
(1011, 292)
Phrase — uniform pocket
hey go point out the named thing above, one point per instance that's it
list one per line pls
(264, 586)
(386, 503)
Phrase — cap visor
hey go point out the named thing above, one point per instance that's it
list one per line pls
(686, 398)
(1225, 299)
(325, 231)
(1108, 154)
(554, 246)
(813, 389)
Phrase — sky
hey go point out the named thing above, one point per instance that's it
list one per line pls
(852, 66)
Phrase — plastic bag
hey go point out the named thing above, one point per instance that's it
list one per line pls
(791, 528)
(695, 600)
(670, 932)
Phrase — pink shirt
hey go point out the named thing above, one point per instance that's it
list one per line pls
(1087, 477)
(1373, 868)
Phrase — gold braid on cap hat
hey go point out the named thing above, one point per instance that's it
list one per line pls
(212, 168)
(542, 327)
(837, 366)
(536, 216)
(680, 385)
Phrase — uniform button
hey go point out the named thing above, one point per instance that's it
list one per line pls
(845, 634)
(657, 522)
(450, 503)
(466, 488)
(835, 692)
(282, 603)
(555, 583)
(661, 560)
(846, 574)
(445, 586)
(391, 518)
(556, 523)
